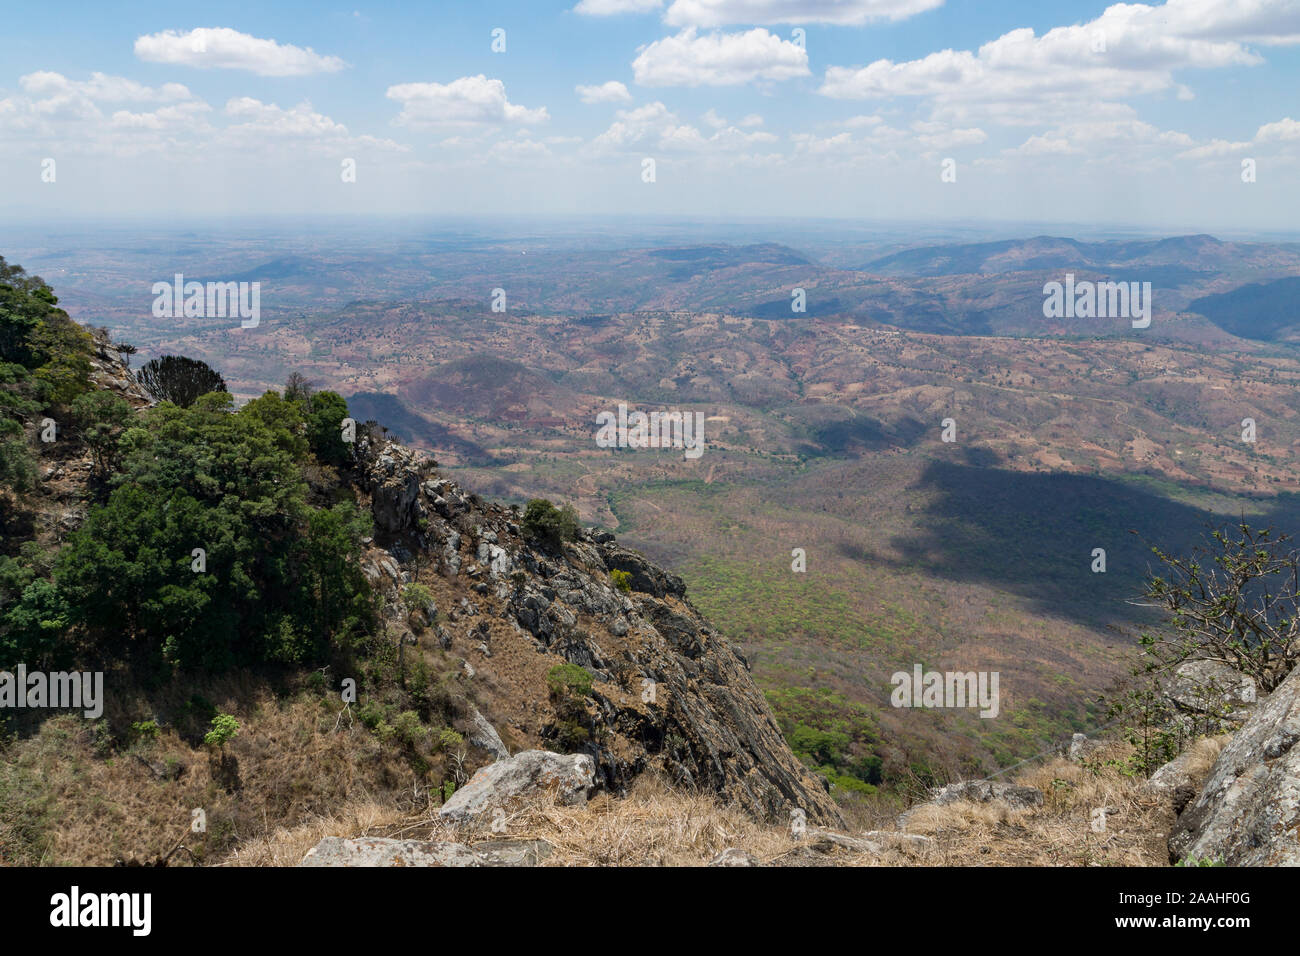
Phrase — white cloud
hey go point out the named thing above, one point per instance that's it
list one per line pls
(468, 101)
(101, 87)
(179, 115)
(818, 145)
(1046, 145)
(609, 8)
(655, 126)
(1283, 130)
(860, 122)
(719, 59)
(1214, 149)
(224, 48)
(941, 136)
(522, 151)
(716, 13)
(1131, 49)
(611, 92)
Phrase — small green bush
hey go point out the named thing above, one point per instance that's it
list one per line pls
(622, 580)
(549, 525)
(224, 729)
(568, 680)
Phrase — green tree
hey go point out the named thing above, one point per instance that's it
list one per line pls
(33, 630)
(325, 428)
(102, 416)
(279, 580)
(549, 525)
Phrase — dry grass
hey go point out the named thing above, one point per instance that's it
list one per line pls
(656, 825)
(302, 778)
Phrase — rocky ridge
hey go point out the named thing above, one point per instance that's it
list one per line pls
(668, 692)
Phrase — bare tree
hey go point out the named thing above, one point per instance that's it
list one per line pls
(1235, 600)
(298, 389)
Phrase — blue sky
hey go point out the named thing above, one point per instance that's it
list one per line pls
(1070, 111)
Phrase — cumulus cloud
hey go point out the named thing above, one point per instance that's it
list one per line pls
(177, 116)
(1284, 130)
(719, 59)
(716, 13)
(1131, 49)
(655, 126)
(611, 92)
(468, 101)
(224, 48)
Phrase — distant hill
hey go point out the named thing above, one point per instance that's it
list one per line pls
(1265, 311)
(1192, 254)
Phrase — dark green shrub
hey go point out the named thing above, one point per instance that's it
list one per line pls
(548, 525)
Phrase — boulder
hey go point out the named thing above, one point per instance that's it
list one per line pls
(1248, 810)
(483, 735)
(516, 779)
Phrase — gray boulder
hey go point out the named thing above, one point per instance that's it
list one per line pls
(1248, 810)
(484, 736)
(518, 778)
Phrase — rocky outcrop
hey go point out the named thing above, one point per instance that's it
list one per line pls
(1248, 810)
(667, 692)
(379, 851)
(510, 782)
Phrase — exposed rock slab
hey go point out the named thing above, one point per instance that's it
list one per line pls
(1248, 810)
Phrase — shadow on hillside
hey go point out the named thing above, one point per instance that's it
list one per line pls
(408, 427)
(1034, 535)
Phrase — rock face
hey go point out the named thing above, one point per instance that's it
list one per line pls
(667, 692)
(509, 782)
(1248, 810)
(379, 851)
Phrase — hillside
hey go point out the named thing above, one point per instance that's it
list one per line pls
(467, 629)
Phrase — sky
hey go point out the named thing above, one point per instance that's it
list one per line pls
(1182, 115)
